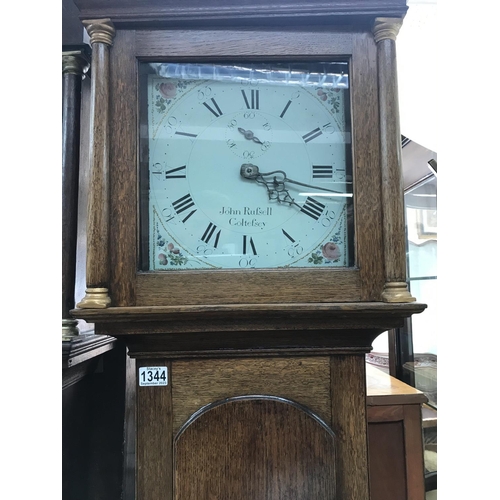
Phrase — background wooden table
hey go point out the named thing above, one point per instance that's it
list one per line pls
(396, 458)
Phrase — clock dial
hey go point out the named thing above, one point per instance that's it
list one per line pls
(247, 174)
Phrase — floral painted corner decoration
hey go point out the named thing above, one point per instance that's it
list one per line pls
(169, 253)
(331, 96)
(329, 252)
(168, 91)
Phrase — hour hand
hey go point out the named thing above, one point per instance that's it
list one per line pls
(248, 134)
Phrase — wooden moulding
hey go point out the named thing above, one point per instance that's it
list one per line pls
(162, 13)
(250, 329)
(362, 314)
(247, 433)
(198, 383)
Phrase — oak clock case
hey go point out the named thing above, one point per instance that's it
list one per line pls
(245, 166)
(240, 326)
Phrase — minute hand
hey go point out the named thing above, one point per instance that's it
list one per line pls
(250, 171)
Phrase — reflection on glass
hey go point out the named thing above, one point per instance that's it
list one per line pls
(245, 166)
(421, 215)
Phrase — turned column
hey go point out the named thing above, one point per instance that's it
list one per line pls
(75, 63)
(101, 33)
(385, 31)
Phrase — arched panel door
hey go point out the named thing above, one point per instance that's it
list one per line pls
(255, 448)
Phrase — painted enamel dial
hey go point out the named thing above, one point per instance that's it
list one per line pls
(247, 175)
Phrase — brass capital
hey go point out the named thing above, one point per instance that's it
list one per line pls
(100, 31)
(74, 63)
(95, 298)
(386, 28)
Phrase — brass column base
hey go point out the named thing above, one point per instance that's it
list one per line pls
(397, 292)
(95, 298)
(69, 329)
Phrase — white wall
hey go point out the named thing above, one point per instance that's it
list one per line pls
(417, 54)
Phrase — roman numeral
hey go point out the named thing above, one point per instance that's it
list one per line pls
(171, 174)
(285, 109)
(313, 208)
(217, 112)
(185, 134)
(158, 170)
(189, 215)
(209, 232)
(248, 241)
(253, 103)
(288, 236)
(312, 135)
(322, 171)
(183, 203)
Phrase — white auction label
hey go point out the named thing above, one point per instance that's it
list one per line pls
(153, 375)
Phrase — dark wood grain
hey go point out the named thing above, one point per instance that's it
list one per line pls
(250, 286)
(258, 448)
(367, 179)
(414, 457)
(123, 165)
(392, 177)
(98, 202)
(348, 399)
(129, 431)
(92, 429)
(387, 461)
(391, 413)
(154, 438)
(395, 438)
(363, 282)
(72, 85)
(156, 13)
(234, 44)
(197, 383)
(227, 336)
(355, 314)
(267, 343)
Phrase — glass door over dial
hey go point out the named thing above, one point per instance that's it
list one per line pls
(245, 167)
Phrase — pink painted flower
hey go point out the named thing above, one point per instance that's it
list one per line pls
(163, 259)
(330, 251)
(322, 95)
(167, 90)
(170, 246)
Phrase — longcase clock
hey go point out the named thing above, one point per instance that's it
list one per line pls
(246, 235)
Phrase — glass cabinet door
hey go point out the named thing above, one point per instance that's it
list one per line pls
(421, 225)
